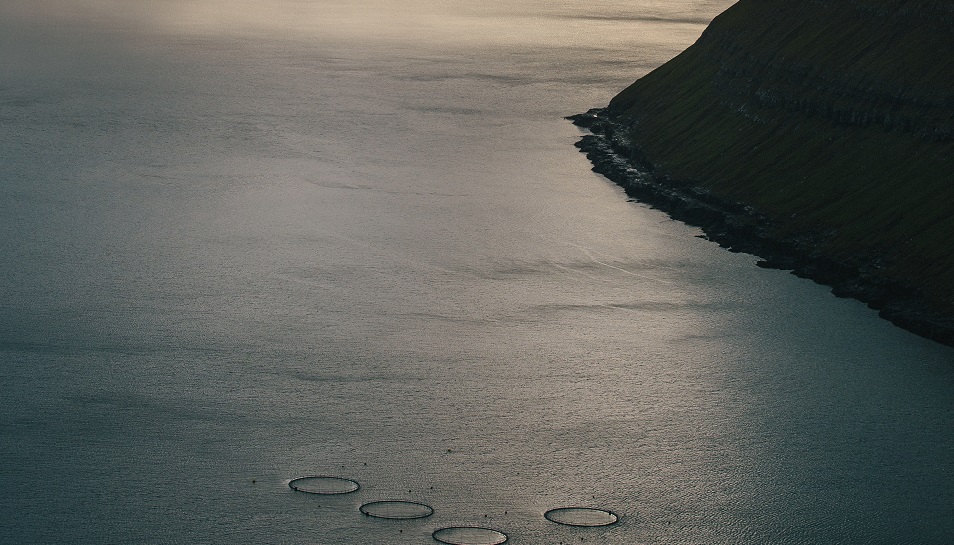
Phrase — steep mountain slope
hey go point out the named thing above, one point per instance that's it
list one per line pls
(833, 121)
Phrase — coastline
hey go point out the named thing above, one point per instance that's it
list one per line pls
(738, 227)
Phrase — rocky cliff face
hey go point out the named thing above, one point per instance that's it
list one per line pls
(831, 120)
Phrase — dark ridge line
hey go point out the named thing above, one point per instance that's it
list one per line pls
(738, 227)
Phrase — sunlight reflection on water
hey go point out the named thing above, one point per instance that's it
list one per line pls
(301, 238)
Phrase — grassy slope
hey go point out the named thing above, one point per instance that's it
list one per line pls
(827, 116)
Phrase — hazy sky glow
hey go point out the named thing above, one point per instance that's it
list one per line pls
(416, 21)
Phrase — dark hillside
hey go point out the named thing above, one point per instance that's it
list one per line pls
(834, 119)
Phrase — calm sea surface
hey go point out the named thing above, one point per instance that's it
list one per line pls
(245, 242)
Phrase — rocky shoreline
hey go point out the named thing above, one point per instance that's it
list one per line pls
(740, 228)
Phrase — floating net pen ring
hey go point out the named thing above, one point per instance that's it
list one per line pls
(581, 516)
(324, 485)
(396, 509)
(469, 535)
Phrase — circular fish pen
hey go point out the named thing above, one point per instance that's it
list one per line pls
(396, 509)
(581, 516)
(323, 484)
(469, 535)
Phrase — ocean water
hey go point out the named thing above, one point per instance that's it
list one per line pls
(244, 242)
